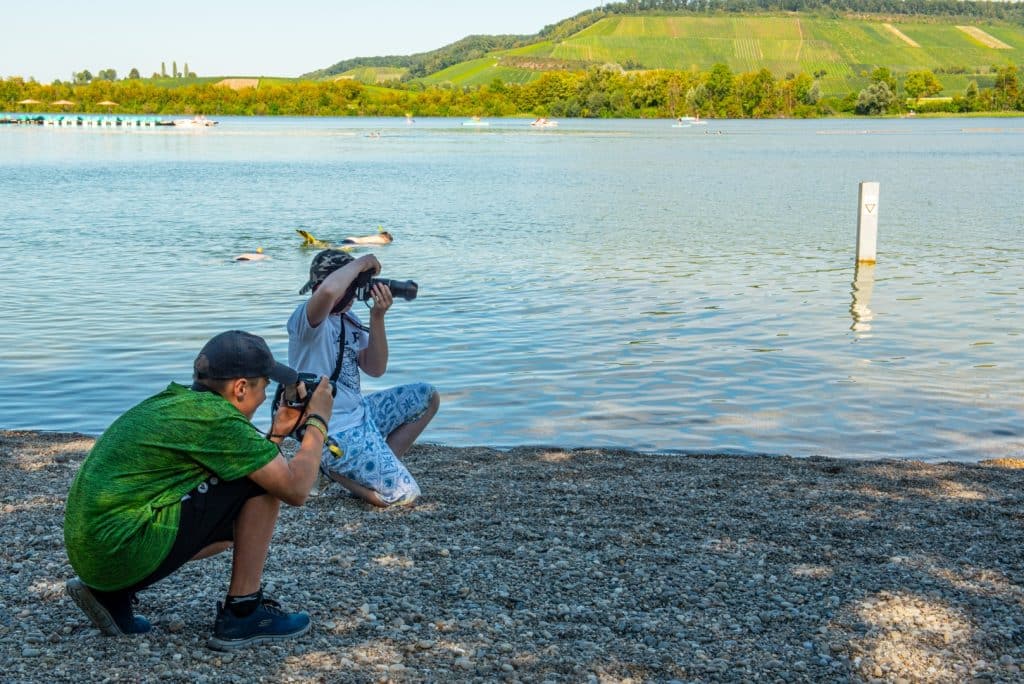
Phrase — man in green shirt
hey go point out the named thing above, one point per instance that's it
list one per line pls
(185, 475)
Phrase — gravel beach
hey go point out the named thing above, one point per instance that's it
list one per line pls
(541, 564)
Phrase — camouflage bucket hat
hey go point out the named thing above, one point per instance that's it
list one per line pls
(324, 264)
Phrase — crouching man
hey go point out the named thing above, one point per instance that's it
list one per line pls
(185, 475)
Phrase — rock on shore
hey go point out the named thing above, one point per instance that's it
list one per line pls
(539, 565)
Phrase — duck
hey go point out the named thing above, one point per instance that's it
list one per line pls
(308, 240)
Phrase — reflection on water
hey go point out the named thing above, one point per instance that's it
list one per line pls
(608, 283)
(860, 308)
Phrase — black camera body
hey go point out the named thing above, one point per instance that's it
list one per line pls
(290, 395)
(363, 287)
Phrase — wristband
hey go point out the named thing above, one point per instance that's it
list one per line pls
(317, 416)
(319, 425)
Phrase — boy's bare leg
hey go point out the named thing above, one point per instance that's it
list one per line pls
(359, 490)
(403, 436)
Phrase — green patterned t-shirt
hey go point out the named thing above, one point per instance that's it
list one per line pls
(122, 512)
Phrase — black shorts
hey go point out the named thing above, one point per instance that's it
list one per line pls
(208, 515)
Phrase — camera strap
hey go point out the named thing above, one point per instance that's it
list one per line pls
(341, 353)
(341, 344)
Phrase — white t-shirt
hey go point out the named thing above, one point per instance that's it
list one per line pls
(315, 350)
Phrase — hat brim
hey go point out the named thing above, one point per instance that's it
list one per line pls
(283, 374)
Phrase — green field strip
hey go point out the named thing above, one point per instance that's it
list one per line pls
(481, 72)
(536, 50)
(274, 80)
(770, 28)
(815, 51)
(866, 43)
(1012, 36)
(632, 27)
(946, 45)
(580, 49)
(945, 37)
(504, 74)
(747, 50)
(983, 38)
(949, 37)
(199, 80)
(457, 73)
(722, 28)
(781, 50)
(605, 27)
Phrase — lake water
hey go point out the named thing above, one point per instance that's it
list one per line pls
(605, 283)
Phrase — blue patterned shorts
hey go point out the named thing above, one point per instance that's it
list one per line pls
(366, 457)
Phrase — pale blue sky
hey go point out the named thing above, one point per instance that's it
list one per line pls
(52, 38)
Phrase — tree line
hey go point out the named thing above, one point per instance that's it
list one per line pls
(425, 63)
(593, 92)
(1009, 11)
(85, 76)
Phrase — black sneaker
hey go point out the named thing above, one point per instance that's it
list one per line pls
(267, 623)
(100, 615)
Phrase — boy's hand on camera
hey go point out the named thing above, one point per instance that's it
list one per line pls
(382, 299)
(368, 262)
(322, 401)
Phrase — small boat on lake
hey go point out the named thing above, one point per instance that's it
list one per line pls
(544, 123)
(687, 121)
(475, 121)
(198, 121)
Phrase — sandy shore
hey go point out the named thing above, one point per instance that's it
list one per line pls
(569, 566)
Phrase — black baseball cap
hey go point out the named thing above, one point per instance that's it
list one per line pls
(238, 354)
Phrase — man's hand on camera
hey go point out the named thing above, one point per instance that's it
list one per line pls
(287, 417)
(322, 401)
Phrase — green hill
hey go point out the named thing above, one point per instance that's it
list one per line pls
(841, 50)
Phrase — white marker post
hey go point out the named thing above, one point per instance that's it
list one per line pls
(867, 223)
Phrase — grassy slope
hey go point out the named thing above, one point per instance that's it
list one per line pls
(480, 72)
(844, 48)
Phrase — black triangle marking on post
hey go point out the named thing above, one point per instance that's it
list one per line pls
(870, 207)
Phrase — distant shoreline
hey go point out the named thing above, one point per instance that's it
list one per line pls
(510, 117)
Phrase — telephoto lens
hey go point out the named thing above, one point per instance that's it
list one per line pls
(406, 289)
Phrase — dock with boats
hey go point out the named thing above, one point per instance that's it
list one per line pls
(102, 121)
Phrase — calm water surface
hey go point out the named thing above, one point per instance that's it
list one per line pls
(605, 283)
